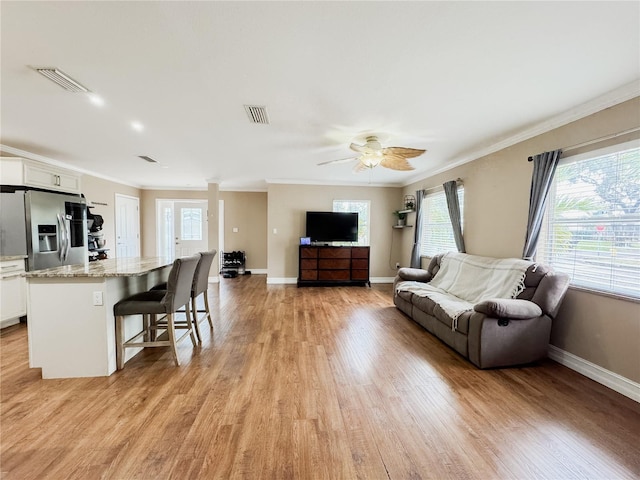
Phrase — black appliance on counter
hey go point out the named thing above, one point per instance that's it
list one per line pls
(96, 241)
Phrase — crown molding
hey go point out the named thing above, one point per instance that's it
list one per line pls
(57, 163)
(326, 183)
(610, 99)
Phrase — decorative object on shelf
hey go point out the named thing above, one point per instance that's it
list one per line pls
(401, 218)
(409, 202)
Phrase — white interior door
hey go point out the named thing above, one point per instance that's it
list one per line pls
(190, 220)
(127, 226)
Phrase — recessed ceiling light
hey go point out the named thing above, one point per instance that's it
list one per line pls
(96, 99)
(137, 126)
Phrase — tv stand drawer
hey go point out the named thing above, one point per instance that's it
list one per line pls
(334, 252)
(334, 264)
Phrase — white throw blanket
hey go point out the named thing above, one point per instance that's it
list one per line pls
(464, 280)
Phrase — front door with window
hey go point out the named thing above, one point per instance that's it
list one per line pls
(190, 228)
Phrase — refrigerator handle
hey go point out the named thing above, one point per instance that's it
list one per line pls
(67, 226)
(63, 236)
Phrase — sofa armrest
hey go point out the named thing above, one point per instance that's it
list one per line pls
(415, 274)
(550, 292)
(508, 308)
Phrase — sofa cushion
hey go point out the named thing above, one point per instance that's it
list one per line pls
(405, 295)
(535, 273)
(508, 308)
(425, 304)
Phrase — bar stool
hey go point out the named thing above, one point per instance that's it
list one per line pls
(199, 287)
(151, 303)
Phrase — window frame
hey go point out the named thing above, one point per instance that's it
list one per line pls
(439, 195)
(364, 222)
(546, 247)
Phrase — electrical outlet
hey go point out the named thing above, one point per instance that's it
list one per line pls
(397, 265)
(97, 298)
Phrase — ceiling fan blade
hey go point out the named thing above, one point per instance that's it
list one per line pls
(396, 162)
(360, 167)
(360, 148)
(340, 160)
(403, 152)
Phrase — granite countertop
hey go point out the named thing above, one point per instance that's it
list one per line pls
(9, 258)
(113, 267)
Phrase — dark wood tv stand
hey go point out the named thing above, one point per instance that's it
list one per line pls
(328, 265)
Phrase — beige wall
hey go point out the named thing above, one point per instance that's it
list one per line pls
(287, 207)
(103, 192)
(247, 212)
(602, 330)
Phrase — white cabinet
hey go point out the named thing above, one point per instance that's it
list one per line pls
(20, 171)
(13, 292)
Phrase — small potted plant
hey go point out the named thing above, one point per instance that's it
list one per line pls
(401, 218)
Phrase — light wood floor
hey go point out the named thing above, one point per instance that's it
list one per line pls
(315, 383)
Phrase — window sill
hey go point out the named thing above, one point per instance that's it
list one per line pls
(617, 296)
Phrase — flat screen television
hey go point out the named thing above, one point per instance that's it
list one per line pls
(332, 226)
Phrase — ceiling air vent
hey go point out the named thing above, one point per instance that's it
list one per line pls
(62, 79)
(257, 114)
(148, 159)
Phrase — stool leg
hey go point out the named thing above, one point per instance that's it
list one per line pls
(171, 331)
(153, 332)
(145, 326)
(120, 342)
(189, 319)
(193, 318)
(206, 307)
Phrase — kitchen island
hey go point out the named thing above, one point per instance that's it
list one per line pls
(71, 326)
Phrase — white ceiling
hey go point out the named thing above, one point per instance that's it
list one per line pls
(456, 78)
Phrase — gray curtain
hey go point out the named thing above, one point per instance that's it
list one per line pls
(415, 252)
(544, 168)
(451, 193)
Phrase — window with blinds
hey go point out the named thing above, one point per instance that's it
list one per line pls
(592, 225)
(437, 233)
(361, 207)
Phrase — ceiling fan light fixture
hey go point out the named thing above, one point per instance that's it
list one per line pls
(371, 160)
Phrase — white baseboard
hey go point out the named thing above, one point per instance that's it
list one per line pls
(215, 279)
(289, 280)
(258, 271)
(9, 322)
(281, 280)
(616, 382)
(381, 279)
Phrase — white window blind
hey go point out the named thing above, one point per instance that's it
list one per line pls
(361, 207)
(592, 226)
(437, 232)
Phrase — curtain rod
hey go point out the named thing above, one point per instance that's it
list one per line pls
(596, 140)
(425, 190)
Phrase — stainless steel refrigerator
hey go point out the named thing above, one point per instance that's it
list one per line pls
(50, 228)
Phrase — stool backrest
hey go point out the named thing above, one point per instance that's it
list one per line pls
(201, 277)
(180, 281)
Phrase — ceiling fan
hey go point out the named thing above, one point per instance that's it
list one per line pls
(373, 154)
